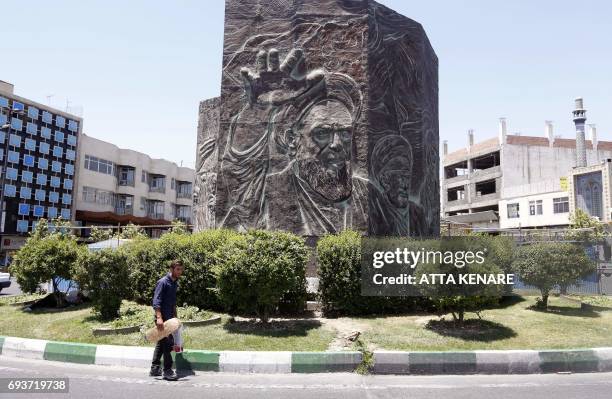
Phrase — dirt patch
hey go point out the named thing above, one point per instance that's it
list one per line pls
(346, 332)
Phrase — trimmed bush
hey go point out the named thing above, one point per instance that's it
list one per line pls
(339, 268)
(260, 269)
(551, 264)
(105, 276)
(145, 269)
(148, 261)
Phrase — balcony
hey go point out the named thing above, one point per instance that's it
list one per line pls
(124, 211)
(186, 220)
(185, 195)
(161, 189)
(157, 216)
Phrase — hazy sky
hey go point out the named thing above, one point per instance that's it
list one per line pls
(139, 68)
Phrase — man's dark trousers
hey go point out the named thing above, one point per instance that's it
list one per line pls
(163, 347)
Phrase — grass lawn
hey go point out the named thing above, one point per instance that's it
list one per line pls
(75, 324)
(512, 326)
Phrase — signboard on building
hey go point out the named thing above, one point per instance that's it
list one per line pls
(563, 183)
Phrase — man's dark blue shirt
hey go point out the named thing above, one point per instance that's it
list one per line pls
(164, 297)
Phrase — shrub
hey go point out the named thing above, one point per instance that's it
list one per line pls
(145, 269)
(339, 269)
(45, 257)
(551, 264)
(259, 269)
(104, 275)
(148, 261)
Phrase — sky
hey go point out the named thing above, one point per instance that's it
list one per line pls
(137, 69)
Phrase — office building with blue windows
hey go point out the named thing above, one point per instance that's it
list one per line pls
(38, 154)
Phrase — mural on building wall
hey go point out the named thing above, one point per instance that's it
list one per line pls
(327, 120)
(589, 192)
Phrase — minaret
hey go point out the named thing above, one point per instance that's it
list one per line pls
(579, 121)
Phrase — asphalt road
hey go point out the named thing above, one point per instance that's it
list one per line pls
(88, 381)
(12, 290)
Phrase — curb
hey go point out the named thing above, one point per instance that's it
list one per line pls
(384, 362)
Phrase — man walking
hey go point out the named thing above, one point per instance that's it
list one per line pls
(164, 304)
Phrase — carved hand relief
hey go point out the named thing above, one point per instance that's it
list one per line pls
(308, 128)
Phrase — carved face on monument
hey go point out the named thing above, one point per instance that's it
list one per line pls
(323, 149)
(392, 169)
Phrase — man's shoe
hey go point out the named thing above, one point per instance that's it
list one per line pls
(170, 375)
(155, 372)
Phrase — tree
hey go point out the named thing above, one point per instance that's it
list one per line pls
(98, 234)
(105, 276)
(550, 264)
(585, 228)
(46, 256)
(455, 298)
(131, 232)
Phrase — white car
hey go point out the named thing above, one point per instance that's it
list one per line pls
(5, 280)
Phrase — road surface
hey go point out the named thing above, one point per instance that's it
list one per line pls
(87, 381)
(12, 290)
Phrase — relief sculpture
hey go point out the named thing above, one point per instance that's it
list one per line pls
(327, 120)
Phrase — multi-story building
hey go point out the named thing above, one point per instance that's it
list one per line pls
(38, 150)
(515, 181)
(118, 186)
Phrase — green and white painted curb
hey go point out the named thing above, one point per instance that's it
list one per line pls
(383, 362)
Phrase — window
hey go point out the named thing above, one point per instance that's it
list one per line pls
(126, 176)
(2, 119)
(60, 121)
(68, 184)
(70, 154)
(33, 112)
(561, 205)
(45, 132)
(13, 157)
(44, 148)
(38, 210)
(30, 144)
(143, 177)
(41, 179)
(51, 212)
(28, 160)
(40, 195)
(69, 169)
(43, 164)
(73, 126)
(25, 192)
(66, 213)
(54, 197)
(24, 209)
(513, 211)
(47, 117)
(3, 102)
(59, 136)
(1, 154)
(55, 181)
(535, 207)
(58, 151)
(32, 128)
(66, 199)
(98, 165)
(10, 190)
(172, 184)
(15, 140)
(27, 176)
(56, 166)
(17, 106)
(2, 134)
(71, 139)
(16, 123)
(11, 173)
(22, 226)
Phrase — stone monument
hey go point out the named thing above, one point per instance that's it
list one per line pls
(327, 120)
